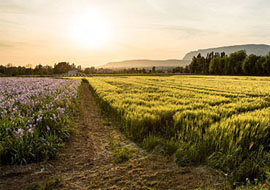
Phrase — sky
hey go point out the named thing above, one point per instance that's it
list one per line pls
(94, 32)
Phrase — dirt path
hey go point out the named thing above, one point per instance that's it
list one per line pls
(87, 161)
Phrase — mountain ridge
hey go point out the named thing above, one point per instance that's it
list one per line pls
(145, 63)
(257, 49)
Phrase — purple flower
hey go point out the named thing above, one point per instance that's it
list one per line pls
(28, 100)
(19, 133)
(60, 110)
(30, 130)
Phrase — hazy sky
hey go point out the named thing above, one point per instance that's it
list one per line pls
(42, 31)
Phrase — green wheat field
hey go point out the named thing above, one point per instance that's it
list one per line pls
(222, 121)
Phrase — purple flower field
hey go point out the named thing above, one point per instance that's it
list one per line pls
(35, 116)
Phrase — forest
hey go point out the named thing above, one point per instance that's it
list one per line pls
(237, 63)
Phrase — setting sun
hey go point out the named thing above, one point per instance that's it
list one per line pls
(90, 30)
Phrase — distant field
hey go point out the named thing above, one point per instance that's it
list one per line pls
(222, 121)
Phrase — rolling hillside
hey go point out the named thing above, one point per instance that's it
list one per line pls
(143, 63)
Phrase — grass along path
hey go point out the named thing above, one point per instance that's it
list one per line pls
(98, 156)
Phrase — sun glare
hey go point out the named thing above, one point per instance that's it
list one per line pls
(90, 30)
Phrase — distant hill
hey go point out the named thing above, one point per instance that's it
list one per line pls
(144, 63)
(257, 49)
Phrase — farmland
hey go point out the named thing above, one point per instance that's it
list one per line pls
(221, 121)
(35, 117)
(196, 122)
(99, 156)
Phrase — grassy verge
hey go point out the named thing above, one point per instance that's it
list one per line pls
(121, 153)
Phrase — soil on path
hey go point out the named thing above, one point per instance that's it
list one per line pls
(87, 161)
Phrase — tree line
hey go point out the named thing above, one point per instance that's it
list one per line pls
(59, 68)
(237, 63)
(63, 68)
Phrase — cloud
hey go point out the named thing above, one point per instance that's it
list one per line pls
(4, 45)
(189, 31)
(29, 7)
(15, 44)
(4, 21)
(157, 6)
(13, 7)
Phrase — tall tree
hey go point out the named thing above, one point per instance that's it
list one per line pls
(248, 65)
(235, 61)
(266, 64)
(62, 67)
(213, 67)
(259, 66)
